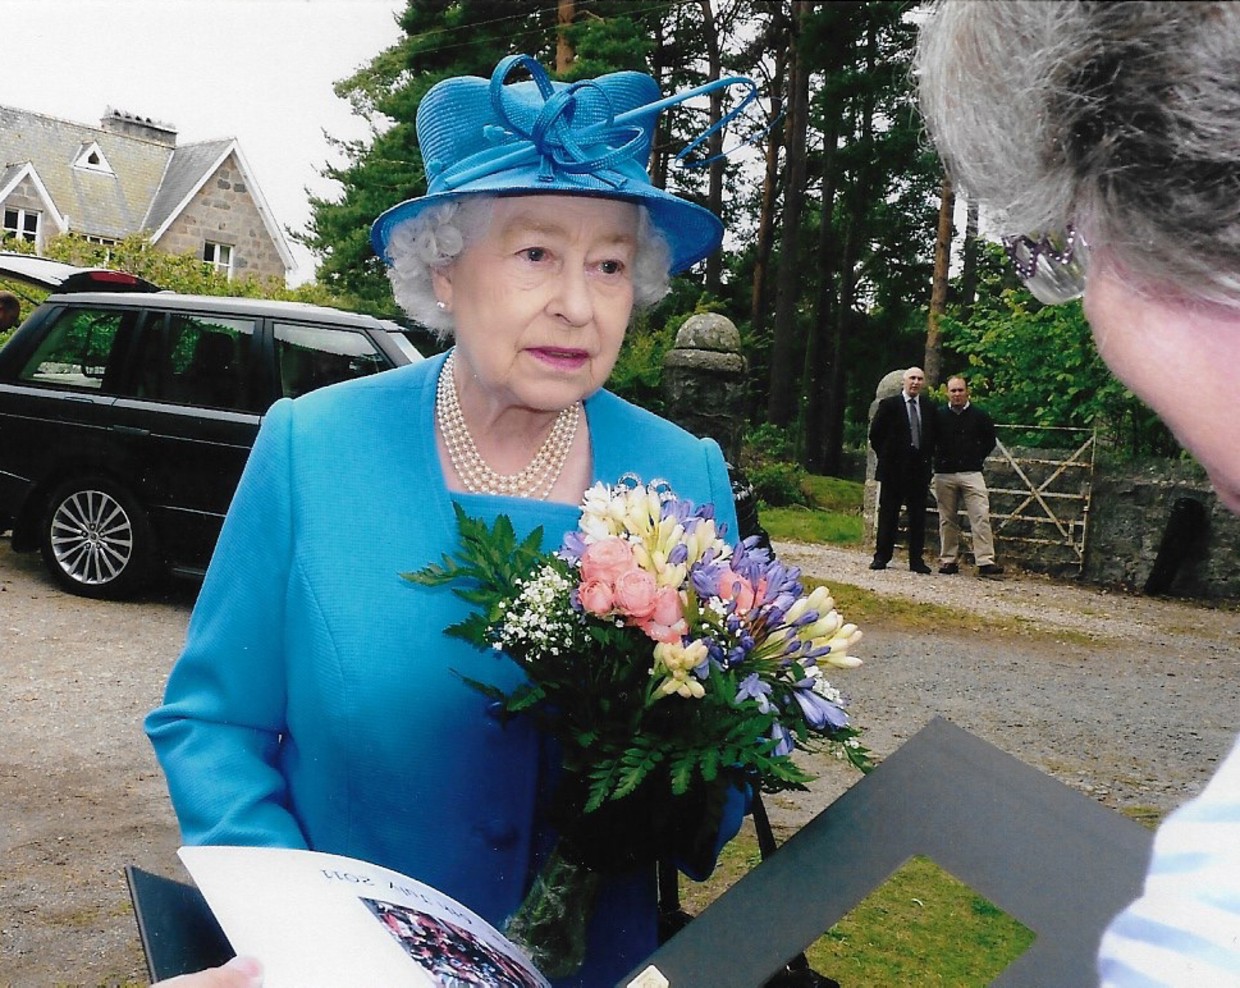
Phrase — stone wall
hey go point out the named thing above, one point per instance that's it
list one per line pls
(1125, 530)
(223, 211)
(1129, 515)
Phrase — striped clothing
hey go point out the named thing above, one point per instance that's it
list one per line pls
(1185, 928)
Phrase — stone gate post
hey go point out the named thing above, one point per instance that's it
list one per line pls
(704, 380)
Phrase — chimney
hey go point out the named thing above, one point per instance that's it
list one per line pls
(119, 122)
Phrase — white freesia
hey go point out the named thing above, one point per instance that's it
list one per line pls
(676, 663)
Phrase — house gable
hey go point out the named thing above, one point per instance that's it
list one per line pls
(21, 188)
(219, 206)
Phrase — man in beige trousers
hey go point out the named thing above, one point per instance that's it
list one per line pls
(965, 435)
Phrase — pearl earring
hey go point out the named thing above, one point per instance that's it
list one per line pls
(441, 305)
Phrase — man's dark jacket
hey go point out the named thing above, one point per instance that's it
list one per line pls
(962, 440)
(893, 442)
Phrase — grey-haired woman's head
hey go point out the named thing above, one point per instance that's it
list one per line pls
(434, 238)
(1120, 119)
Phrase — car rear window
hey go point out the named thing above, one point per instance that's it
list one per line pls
(310, 357)
(195, 360)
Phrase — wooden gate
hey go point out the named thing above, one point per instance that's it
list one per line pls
(1040, 494)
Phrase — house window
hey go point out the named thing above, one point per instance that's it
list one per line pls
(22, 224)
(218, 256)
(105, 241)
(92, 159)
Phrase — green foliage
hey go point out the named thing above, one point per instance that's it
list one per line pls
(778, 484)
(1031, 364)
(831, 514)
(638, 374)
(835, 494)
(184, 273)
(769, 462)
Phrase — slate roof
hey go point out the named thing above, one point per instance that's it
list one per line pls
(186, 170)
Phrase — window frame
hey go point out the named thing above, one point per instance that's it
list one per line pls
(214, 248)
(19, 231)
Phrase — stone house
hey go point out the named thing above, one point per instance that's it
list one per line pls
(129, 175)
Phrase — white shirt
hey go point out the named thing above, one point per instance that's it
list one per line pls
(1185, 928)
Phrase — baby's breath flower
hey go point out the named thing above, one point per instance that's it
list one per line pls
(539, 619)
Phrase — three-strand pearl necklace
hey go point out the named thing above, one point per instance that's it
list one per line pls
(538, 476)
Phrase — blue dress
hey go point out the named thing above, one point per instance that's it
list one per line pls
(317, 702)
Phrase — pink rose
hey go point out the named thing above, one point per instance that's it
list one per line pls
(635, 593)
(606, 559)
(732, 586)
(596, 597)
(668, 607)
(666, 622)
(669, 633)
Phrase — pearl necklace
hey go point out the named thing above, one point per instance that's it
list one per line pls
(539, 475)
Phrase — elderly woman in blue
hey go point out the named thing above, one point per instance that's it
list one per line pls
(317, 702)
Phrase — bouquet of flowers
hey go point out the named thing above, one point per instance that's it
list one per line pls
(669, 667)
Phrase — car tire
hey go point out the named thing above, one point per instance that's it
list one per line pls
(96, 540)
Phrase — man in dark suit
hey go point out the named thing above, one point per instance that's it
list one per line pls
(902, 434)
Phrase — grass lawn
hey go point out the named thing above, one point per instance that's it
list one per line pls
(921, 927)
(832, 517)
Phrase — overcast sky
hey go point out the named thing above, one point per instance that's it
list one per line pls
(257, 70)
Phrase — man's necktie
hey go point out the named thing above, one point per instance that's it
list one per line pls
(914, 423)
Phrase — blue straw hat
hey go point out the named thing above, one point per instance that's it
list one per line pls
(537, 137)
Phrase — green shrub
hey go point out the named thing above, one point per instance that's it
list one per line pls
(779, 484)
(767, 443)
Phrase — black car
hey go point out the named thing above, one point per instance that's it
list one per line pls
(126, 418)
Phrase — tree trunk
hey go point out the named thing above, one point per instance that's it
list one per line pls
(823, 343)
(968, 273)
(785, 392)
(564, 54)
(938, 290)
(714, 143)
(766, 218)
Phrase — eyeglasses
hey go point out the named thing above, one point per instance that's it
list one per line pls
(1053, 268)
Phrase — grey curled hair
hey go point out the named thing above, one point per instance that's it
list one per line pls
(1120, 118)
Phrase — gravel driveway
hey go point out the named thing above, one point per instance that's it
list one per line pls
(1137, 717)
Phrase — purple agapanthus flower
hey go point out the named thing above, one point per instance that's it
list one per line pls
(753, 688)
(782, 737)
(573, 546)
(820, 713)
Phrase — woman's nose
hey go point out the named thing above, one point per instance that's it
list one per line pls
(571, 300)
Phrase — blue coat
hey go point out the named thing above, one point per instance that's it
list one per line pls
(318, 704)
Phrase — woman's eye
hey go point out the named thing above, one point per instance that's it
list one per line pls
(535, 254)
(611, 267)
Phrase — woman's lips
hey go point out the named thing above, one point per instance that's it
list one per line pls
(560, 358)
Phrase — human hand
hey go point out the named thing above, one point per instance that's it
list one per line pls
(240, 972)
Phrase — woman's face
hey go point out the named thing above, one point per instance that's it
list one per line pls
(1181, 361)
(542, 299)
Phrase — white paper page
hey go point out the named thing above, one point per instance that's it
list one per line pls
(324, 921)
